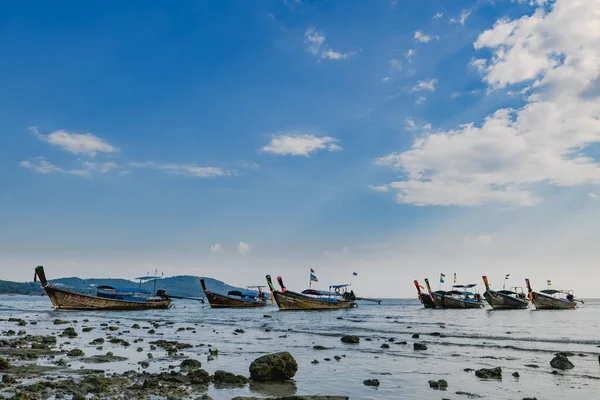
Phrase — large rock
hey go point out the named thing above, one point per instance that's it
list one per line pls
(350, 339)
(273, 367)
(199, 377)
(190, 364)
(4, 365)
(489, 373)
(560, 361)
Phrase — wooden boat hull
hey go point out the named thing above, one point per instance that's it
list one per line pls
(544, 302)
(426, 300)
(67, 300)
(221, 301)
(292, 301)
(442, 301)
(500, 301)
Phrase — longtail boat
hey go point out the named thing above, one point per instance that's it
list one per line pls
(551, 299)
(310, 299)
(107, 297)
(513, 299)
(425, 298)
(235, 298)
(462, 296)
(437, 296)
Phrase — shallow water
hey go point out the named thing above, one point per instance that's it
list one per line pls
(470, 339)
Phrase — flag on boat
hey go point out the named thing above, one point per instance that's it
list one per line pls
(355, 274)
(313, 278)
(442, 276)
(507, 275)
(455, 277)
(312, 271)
(549, 282)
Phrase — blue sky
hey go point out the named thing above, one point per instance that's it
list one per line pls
(234, 139)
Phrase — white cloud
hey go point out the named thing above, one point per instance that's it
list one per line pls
(379, 188)
(478, 240)
(215, 248)
(438, 15)
(395, 64)
(409, 54)
(43, 166)
(184, 169)
(428, 84)
(410, 124)
(514, 151)
(315, 45)
(243, 248)
(386, 79)
(77, 143)
(423, 38)
(593, 195)
(300, 144)
(102, 167)
(420, 100)
(462, 19)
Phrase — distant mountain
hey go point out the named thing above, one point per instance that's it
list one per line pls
(184, 285)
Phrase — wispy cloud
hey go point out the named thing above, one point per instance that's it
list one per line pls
(438, 15)
(462, 19)
(243, 248)
(409, 54)
(76, 143)
(428, 84)
(300, 144)
(386, 79)
(379, 188)
(420, 100)
(215, 248)
(315, 45)
(42, 166)
(423, 38)
(395, 64)
(184, 169)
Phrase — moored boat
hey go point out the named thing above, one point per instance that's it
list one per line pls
(310, 299)
(425, 298)
(513, 299)
(235, 298)
(107, 297)
(462, 296)
(551, 299)
(437, 296)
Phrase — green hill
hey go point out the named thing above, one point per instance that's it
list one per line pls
(184, 285)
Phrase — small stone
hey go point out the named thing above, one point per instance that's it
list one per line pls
(419, 346)
(4, 365)
(516, 375)
(75, 353)
(415, 336)
(489, 373)
(560, 361)
(190, 364)
(350, 339)
(314, 362)
(371, 382)
(385, 346)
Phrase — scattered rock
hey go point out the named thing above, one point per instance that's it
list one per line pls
(87, 329)
(469, 395)
(560, 361)
(190, 364)
(240, 331)
(419, 346)
(371, 382)
(75, 353)
(350, 339)
(4, 365)
(199, 377)
(267, 316)
(135, 326)
(489, 373)
(273, 367)
(314, 362)
(415, 336)
(319, 347)
(60, 322)
(69, 332)
(438, 385)
(385, 346)
(227, 379)
(532, 365)
(516, 375)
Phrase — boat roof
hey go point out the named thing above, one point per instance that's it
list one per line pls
(147, 277)
(552, 291)
(123, 289)
(242, 293)
(316, 292)
(470, 285)
(339, 286)
(459, 292)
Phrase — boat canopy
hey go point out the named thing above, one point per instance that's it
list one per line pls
(123, 289)
(242, 293)
(316, 292)
(470, 285)
(553, 291)
(339, 286)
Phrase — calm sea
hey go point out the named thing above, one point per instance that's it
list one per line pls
(469, 339)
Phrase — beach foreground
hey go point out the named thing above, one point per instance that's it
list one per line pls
(400, 349)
